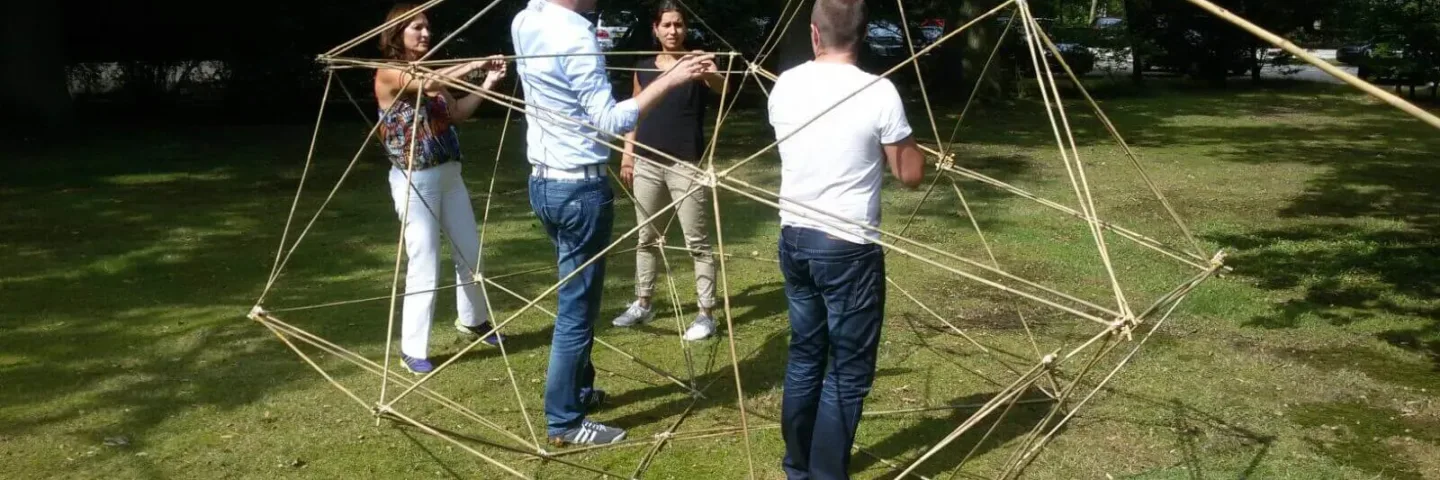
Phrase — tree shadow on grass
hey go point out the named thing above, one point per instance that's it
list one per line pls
(1358, 435)
(133, 299)
(907, 445)
(1195, 431)
(127, 299)
(762, 370)
(1365, 242)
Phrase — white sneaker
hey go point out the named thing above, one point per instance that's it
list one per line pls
(634, 314)
(701, 328)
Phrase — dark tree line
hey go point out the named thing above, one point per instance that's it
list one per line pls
(259, 59)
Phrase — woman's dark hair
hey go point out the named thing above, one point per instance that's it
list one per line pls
(666, 6)
(392, 40)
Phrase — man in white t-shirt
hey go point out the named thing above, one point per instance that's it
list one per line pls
(831, 171)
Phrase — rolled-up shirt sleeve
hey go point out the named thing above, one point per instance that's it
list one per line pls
(585, 68)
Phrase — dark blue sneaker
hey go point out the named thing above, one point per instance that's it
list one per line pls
(588, 433)
(418, 366)
(472, 333)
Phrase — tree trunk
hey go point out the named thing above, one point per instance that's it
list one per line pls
(1134, 15)
(795, 48)
(35, 89)
(979, 41)
(1255, 64)
(1214, 69)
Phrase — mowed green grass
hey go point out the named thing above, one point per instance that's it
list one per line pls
(133, 255)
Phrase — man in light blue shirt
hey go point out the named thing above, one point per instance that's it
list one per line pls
(563, 74)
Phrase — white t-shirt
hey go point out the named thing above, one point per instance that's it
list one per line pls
(834, 164)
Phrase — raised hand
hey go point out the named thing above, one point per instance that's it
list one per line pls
(691, 67)
(495, 68)
(707, 66)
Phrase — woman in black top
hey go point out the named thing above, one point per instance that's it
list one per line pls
(674, 126)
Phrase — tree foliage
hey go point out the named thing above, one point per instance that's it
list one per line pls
(1405, 32)
(268, 52)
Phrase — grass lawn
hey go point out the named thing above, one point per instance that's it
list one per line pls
(134, 253)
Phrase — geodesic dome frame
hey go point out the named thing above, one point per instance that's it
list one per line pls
(1121, 328)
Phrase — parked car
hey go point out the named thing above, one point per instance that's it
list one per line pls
(1182, 63)
(1076, 55)
(930, 31)
(1382, 59)
(611, 27)
(1359, 53)
(1107, 23)
(885, 40)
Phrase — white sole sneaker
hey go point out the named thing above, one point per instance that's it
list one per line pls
(643, 319)
(698, 332)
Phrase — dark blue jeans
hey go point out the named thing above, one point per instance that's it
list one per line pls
(577, 214)
(837, 302)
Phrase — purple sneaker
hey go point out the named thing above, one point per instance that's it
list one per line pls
(418, 366)
(471, 333)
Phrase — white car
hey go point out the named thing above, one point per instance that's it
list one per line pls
(612, 27)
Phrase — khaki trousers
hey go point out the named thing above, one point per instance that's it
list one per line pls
(656, 187)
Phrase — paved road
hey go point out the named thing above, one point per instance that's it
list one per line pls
(1306, 72)
(1303, 72)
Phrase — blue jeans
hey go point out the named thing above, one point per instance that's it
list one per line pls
(836, 291)
(577, 214)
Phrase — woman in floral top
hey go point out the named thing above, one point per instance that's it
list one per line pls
(425, 174)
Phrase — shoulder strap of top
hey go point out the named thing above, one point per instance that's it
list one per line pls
(644, 70)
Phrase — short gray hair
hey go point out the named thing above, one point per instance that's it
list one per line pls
(841, 23)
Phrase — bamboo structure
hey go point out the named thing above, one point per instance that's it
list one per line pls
(1056, 380)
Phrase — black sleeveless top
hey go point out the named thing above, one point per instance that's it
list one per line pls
(675, 124)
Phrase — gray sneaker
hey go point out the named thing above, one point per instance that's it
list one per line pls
(701, 328)
(634, 315)
(588, 433)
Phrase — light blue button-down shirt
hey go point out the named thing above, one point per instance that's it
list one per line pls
(572, 83)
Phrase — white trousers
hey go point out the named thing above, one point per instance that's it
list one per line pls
(439, 202)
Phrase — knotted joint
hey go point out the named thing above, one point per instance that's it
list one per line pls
(414, 71)
(256, 312)
(1218, 260)
(946, 161)
(708, 178)
(1125, 326)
